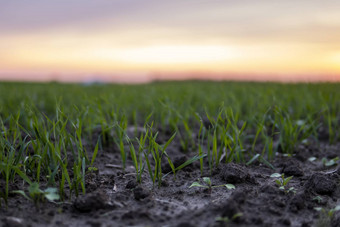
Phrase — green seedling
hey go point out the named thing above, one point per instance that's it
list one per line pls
(331, 162)
(326, 215)
(93, 169)
(137, 157)
(120, 130)
(292, 132)
(36, 195)
(157, 152)
(282, 182)
(329, 212)
(208, 185)
(312, 159)
(201, 137)
(318, 199)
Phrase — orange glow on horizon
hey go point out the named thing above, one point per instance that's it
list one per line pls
(238, 58)
(207, 38)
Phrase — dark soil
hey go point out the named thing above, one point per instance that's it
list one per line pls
(114, 198)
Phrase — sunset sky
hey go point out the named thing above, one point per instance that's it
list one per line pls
(138, 40)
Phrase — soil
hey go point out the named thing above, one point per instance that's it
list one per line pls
(114, 198)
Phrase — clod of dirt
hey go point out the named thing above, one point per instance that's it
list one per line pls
(233, 205)
(91, 201)
(94, 181)
(13, 222)
(230, 209)
(291, 167)
(131, 184)
(239, 197)
(165, 183)
(298, 202)
(140, 193)
(321, 184)
(234, 173)
(292, 171)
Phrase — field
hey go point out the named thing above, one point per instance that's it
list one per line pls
(191, 153)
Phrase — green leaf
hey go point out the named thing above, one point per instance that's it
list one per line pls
(286, 180)
(197, 184)
(95, 153)
(92, 169)
(318, 208)
(170, 163)
(207, 180)
(253, 159)
(337, 208)
(34, 188)
(312, 159)
(265, 161)
(292, 189)
(222, 219)
(278, 182)
(22, 175)
(169, 141)
(236, 216)
(52, 194)
(275, 175)
(188, 162)
(230, 186)
(331, 162)
(22, 193)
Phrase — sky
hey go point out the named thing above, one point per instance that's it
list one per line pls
(141, 40)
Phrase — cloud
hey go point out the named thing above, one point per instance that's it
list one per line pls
(265, 35)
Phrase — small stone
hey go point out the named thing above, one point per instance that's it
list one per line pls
(13, 222)
(131, 184)
(230, 209)
(234, 173)
(91, 201)
(321, 184)
(140, 193)
(292, 171)
(291, 167)
(298, 202)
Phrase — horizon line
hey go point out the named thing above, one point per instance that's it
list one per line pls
(139, 78)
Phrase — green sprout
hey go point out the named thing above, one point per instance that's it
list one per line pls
(331, 162)
(326, 215)
(207, 184)
(36, 195)
(282, 182)
(318, 199)
(329, 212)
